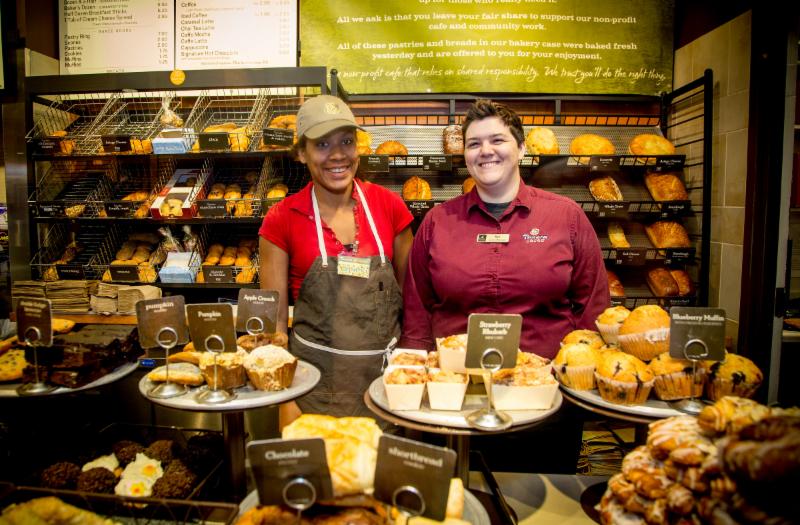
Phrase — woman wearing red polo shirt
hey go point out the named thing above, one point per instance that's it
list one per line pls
(340, 245)
(504, 247)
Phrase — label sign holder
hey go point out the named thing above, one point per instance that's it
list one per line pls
(34, 324)
(167, 339)
(696, 334)
(257, 312)
(492, 344)
(212, 395)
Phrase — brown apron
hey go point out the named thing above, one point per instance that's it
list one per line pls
(345, 326)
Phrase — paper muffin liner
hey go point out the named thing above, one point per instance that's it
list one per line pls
(278, 378)
(576, 377)
(609, 332)
(645, 345)
(679, 385)
(227, 377)
(718, 388)
(623, 392)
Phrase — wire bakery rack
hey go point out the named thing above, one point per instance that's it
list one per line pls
(67, 254)
(129, 191)
(234, 190)
(226, 119)
(228, 255)
(70, 188)
(281, 112)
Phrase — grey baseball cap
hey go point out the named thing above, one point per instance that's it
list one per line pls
(320, 115)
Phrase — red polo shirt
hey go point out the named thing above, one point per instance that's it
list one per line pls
(289, 225)
(550, 271)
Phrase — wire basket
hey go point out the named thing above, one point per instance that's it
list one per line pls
(129, 253)
(66, 254)
(129, 191)
(71, 188)
(235, 113)
(281, 114)
(71, 123)
(235, 190)
(280, 177)
(229, 256)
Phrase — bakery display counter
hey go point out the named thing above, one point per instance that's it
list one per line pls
(9, 390)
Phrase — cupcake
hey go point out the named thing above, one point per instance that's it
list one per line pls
(270, 368)
(735, 375)
(587, 337)
(610, 321)
(645, 333)
(623, 379)
(674, 379)
(575, 364)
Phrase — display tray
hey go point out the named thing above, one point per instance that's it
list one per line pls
(653, 408)
(456, 418)
(306, 378)
(474, 512)
(10, 389)
(126, 511)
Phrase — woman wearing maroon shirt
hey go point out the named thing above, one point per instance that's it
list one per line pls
(337, 244)
(504, 247)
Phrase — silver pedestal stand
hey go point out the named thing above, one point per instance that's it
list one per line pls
(488, 418)
(167, 389)
(692, 405)
(212, 395)
(38, 386)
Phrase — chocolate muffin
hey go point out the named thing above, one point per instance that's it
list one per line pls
(62, 475)
(119, 445)
(128, 453)
(203, 451)
(162, 450)
(97, 479)
(177, 481)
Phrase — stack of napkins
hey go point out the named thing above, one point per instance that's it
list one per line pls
(127, 297)
(70, 296)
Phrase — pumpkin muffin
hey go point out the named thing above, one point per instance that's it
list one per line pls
(674, 378)
(575, 364)
(645, 333)
(623, 379)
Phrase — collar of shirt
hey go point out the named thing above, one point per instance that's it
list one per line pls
(303, 203)
(525, 197)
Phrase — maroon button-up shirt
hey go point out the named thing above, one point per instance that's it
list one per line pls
(550, 271)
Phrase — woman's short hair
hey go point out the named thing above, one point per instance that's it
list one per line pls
(483, 108)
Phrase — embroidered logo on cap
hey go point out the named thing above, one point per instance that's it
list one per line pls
(332, 109)
(534, 236)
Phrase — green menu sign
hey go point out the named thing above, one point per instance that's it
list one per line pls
(545, 46)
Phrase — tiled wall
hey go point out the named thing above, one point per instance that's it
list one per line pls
(726, 51)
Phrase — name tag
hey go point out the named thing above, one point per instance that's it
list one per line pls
(493, 238)
(353, 266)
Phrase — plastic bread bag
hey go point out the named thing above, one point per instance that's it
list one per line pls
(169, 243)
(168, 117)
(189, 239)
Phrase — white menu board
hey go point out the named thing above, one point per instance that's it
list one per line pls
(222, 34)
(116, 36)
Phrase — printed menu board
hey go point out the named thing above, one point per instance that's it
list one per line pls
(98, 36)
(546, 46)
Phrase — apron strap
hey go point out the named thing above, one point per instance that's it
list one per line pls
(371, 222)
(318, 223)
(332, 350)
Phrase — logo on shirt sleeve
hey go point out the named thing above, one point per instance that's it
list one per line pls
(535, 235)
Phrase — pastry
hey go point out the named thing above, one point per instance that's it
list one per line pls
(391, 147)
(615, 287)
(662, 283)
(685, 286)
(650, 144)
(667, 234)
(645, 333)
(278, 191)
(408, 358)
(270, 368)
(453, 140)
(674, 378)
(416, 188)
(609, 322)
(229, 371)
(49, 509)
(181, 373)
(541, 141)
(363, 142)
(283, 122)
(590, 144)
(623, 379)
(730, 414)
(616, 236)
(587, 337)
(605, 189)
(665, 186)
(12, 363)
(575, 364)
(467, 185)
(735, 375)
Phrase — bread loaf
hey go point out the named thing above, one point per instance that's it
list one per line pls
(416, 188)
(685, 286)
(391, 147)
(616, 235)
(662, 283)
(667, 234)
(650, 144)
(665, 187)
(453, 140)
(541, 141)
(615, 285)
(605, 189)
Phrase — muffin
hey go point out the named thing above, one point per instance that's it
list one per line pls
(623, 379)
(575, 364)
(645, 333)
(610, 321)
(674, 378)
(735, 375)
(270, 368)
(587, 337)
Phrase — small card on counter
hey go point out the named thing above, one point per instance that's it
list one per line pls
(47, 145)
(276, 463)
(121, 208)
(603, 163)
(34, 321)
(255, 305)
(497, 331)
(619, 209)
(697, 333)
(277, 136)
(116, 143)
(154, 315)
(409, 473)
(70, 272)
(212, 207)
(218, 274)
(630, 256)
(214, 142)
(124, 272)
(375, 163)
(210, 321)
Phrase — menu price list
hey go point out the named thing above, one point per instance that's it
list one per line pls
(218, 34)
(115, 36)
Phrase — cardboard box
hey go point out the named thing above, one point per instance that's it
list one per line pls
(180, 267)
(177, 198)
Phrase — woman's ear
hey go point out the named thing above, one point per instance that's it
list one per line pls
(521, 150)
(301, 155)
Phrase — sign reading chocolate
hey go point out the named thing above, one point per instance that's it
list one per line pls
(34, 321)
(491, 337)
(568, 46)
(697, 333)
(158, 317)
(413, 476)
(209, 320)
(257, 311)
(295, 470)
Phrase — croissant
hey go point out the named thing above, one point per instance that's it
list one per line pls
(730, 414)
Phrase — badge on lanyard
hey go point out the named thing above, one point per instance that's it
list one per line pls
(489, 238)
(353, 266)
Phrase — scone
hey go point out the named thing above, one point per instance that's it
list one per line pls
(541, 141)
(735, 375)
(650, 144)
(416, 189)
(590, 144)
(605, 189)
(665, 186)
(645, 333)
(587, 337)
(674, 378)
(623, 379)
(609, 322)
(575, 364)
